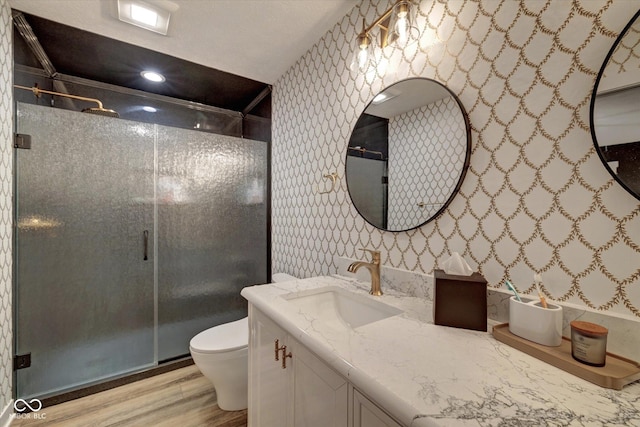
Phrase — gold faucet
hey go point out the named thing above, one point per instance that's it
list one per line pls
(374, 269)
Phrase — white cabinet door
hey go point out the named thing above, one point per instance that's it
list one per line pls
(320, 396)
(367, 414)
(268, 382)
(307, 393)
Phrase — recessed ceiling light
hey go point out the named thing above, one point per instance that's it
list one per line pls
(143, 15)
(146, 15)
(381, 97)
(149, 109)
(152, 76)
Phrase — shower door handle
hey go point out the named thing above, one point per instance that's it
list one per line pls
(145, 237)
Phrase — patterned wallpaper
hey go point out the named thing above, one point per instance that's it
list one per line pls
(432, 135)
(626, 57)
(536, 197)
(6, 210)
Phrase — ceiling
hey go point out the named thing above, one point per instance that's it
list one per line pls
(405, 96)
(256, 39)
(75, 53)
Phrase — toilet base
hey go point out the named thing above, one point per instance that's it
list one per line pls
(233, 400)
(228, 372)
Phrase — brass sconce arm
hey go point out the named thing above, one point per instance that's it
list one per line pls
(383, 22)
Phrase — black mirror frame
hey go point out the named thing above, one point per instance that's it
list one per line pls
(465, 166)
(593, 103)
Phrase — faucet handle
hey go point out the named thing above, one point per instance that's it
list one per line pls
(374, 254)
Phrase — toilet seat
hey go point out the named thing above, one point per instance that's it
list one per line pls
(222, 338)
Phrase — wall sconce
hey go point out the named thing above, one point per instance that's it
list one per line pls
(397, 26)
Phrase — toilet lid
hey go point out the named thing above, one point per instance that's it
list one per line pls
(225, 337)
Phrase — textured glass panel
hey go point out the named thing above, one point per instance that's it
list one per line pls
(84, 292)
(212, 215)
(130, 106)
(367, 189)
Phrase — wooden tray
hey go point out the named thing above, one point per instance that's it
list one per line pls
(617, 372)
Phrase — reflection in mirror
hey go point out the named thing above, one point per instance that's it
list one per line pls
(615, 109)
(408, 154)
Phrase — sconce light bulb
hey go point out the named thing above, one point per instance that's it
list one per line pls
(363, 41)
(363, 55)
(361, 58)
(402, 22)
(402, 27)
(402, 10)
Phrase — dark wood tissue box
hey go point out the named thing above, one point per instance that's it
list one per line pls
(460, 301)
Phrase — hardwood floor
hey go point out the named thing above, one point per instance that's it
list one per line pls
(181, 398)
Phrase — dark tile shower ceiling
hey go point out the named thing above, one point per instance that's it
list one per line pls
(83, 54)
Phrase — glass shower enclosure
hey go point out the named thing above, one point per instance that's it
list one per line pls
(130, 239)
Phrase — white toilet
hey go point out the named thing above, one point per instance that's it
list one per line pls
(221, 354)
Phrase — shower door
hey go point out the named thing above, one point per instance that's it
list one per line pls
(212, 232)
(84, 249)
(368, 189)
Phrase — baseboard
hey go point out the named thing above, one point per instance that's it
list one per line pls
(6, 415)
(166, 366)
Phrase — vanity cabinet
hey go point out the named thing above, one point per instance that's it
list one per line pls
(268, 382)
(306, 392)
(320, 396)
(368, 414)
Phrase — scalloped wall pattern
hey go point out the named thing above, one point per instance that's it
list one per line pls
(6, 199)
(434, 135)
(536, 198)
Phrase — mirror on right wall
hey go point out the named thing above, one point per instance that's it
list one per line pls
(615, 109)
(408, 154)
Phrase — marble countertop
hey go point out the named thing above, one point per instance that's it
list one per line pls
(429, 375)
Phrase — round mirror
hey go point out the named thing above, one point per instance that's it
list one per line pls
(408, 154)
(615, 109)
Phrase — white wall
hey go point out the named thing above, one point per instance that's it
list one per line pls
(536, 197)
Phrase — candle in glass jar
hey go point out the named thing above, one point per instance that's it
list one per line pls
(589, 343)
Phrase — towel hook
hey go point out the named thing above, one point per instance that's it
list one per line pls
(333, 177)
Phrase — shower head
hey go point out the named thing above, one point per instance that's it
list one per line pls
(100, 110)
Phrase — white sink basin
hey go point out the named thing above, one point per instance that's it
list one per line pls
(338, 307)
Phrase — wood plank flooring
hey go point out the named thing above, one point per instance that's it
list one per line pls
(178, 398)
